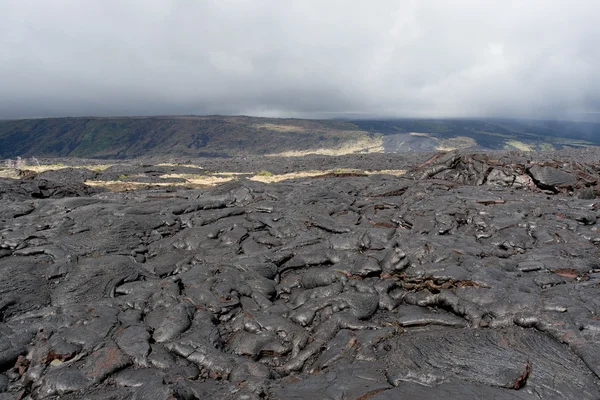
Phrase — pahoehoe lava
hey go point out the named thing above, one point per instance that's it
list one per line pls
(472, 276)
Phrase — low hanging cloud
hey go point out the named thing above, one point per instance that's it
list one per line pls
(301, 58)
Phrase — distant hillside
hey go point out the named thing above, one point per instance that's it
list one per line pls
(209, 136)
(186, 136)
(429, 134)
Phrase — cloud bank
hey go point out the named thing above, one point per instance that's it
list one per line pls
(300, 58)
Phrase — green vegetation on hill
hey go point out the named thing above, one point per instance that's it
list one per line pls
(208, 136)
(185, 136)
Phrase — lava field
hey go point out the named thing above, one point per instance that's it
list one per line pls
(471, 276)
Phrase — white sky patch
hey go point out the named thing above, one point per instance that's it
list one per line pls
(230, 63)
(496, 49)
(404, 31)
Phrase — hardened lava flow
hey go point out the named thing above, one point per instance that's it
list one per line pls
(469, 277)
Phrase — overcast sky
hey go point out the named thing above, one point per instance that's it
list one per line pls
(301, 58)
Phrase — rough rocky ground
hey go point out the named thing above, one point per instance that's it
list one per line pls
(470, 277)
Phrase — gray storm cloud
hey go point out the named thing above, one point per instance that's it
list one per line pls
(304, 58)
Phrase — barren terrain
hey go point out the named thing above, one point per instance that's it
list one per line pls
(453, 275)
